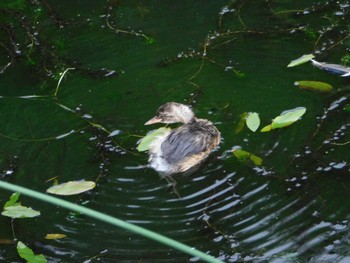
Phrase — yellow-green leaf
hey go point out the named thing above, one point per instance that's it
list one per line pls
(71, 188)
(18, 211)
(266, 128)
(13, 200)
(241, 123)
(303, 59)
(55, 236)
(253, 121)
(150, 137)
(314, 86)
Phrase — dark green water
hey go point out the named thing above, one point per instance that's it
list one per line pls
(295, 208)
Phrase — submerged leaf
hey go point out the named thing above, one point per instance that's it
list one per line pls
(314, 86)
(253, 121)
(247, 156)
(71, 188)
(303, 59)
(150, 41)
(18, 211)
(27, 254)
(241, 123)
(150, 137)
(14, 4)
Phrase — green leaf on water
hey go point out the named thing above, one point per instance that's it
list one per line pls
(18, 211)
(13, 200)
(150, 137)
(71, 188)
(303, 59)
(245, 156)
(27, 254)
(285, 119)
(314, 86)
(253, 121)
(347, 108)
(14, 209)
(266, 128)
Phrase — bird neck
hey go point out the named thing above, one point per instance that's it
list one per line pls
(185, 115)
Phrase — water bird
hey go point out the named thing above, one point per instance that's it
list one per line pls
(184, 148)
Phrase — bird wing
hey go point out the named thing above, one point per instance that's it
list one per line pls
(184, 142)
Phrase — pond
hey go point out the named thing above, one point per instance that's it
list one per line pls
(224, 58)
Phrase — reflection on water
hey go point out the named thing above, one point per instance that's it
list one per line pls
(225, 58)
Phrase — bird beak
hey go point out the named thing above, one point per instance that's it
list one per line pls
(153, 120)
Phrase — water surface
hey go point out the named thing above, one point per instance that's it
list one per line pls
(222, 57)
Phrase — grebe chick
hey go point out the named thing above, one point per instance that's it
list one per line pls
(182, 148)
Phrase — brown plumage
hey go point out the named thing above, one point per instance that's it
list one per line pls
(185, 147)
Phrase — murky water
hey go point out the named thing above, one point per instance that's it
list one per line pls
(223, 58)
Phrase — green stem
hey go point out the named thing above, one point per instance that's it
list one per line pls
(111, 220)
(59, 81)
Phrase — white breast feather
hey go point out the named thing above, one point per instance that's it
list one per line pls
(156, 159)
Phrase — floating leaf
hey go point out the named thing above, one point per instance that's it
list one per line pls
(247, 156)
(71, 188)
(347, 108)
(253, 121)
(266, 128)
(13, 200)
(150, 137)
(18, 211)
(314, 86)
(27, 254)
(285, 119)
(55, 236)
(241, 123)
(303, 59)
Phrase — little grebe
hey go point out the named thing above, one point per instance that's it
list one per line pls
(185, 147)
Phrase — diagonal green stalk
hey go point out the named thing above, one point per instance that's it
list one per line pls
(111, 220)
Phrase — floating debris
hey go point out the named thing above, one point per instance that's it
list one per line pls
(332, 68)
